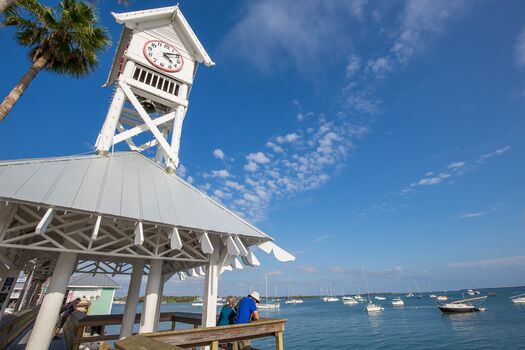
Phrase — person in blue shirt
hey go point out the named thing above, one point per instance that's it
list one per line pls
(246, 312)
(227, 312)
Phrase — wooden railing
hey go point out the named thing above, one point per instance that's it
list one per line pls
(13, 325)
(75, 327)
(211, 336)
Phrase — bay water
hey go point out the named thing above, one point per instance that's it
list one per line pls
(419, 324)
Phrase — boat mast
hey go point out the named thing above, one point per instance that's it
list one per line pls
(366, 282)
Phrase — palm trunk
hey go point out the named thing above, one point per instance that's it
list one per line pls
(5, 4)
(21, 86)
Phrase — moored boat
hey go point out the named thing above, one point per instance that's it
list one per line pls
(442, 298)
(379, 298)
(518, 299)
(349, 301)
(462, 306)
(397, 302)
(373, 308)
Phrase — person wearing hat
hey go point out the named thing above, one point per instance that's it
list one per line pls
(246, 311)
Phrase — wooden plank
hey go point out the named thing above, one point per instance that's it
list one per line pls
(138, 342)
(204, 336)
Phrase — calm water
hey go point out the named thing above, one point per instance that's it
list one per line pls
(418, 325)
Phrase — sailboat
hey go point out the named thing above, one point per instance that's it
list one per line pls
(371, 307)
(518, 299)
(293, 301)
(266, 305)
(331, 298)
(432, 295)
(462, 306)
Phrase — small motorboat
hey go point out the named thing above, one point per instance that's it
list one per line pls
(379, 298)
(433, 296)
(518, 299)
(462, 306)
(332, 299)
(470, 292)
(373, 308)
(349, 301)
(410, 295)
(397, 302)
(358, 298)
(442, 298)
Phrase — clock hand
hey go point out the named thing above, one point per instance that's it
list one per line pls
(171, 54)
(168, 57)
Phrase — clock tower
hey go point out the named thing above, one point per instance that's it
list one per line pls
(153, 72)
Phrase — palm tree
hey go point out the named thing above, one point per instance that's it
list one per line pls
(65, 40)
(4, 4)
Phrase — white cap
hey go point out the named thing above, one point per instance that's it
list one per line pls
(255, 295)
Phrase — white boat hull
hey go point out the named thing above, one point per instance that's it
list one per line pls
(373, 308)
(520, 300)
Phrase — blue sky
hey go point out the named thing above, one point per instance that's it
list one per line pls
(383, 134)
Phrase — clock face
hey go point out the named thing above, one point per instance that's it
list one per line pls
(163, 56)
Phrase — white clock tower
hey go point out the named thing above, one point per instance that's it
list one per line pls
(153, 72)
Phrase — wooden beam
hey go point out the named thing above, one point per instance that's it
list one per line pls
(44, 223)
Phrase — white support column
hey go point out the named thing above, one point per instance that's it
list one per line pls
(105, 137)
(148, 318)
(132, 299)
(180, 114)
(211, 287)
(47, 316)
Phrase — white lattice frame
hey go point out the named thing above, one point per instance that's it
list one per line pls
(70, 231)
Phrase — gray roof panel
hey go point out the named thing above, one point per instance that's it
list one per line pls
(126, 185)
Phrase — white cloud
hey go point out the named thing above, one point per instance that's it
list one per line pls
(520, 48)
(235, 185)
(258, 157)
(218, 153)
(353, 66)
(321, 238)
(499, 262)
(276, 273)
(292, 137)
(423, 19)
(496, 153)
(220, 173)
(308, 269)
(456, 165)
(274, 147)
(251, 166)
(379, 66)
(273, 34)
(473, 215)
(430, 181)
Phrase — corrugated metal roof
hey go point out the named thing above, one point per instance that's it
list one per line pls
(90, 280)
(126, 185)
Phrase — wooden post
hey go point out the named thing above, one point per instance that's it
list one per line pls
(148, 321)
(279, 341)
(215, 345)
(132, 299)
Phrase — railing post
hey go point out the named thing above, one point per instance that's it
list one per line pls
(215, 345)
(279, 341)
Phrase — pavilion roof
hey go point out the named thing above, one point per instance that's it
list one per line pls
(122, 185)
